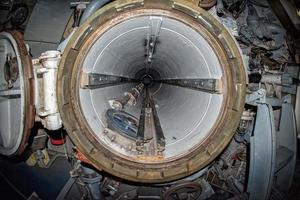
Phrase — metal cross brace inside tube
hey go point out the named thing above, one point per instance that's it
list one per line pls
(150, 137)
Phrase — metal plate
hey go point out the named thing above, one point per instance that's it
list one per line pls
(46, 25)
(16, 94)
(286, 148)
(262, 155)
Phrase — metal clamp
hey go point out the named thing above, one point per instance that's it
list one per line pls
(45, 72)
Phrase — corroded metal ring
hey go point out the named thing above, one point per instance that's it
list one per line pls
(20, 70)
(160, 170)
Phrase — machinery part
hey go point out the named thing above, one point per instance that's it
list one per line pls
(92, 180)
(288, 80)
(235, 7)
(91, 8)
(228, 173)
(201, 123)
(262, 154)
(273, 154)
(122, 122)
(259, 96)
(286, 150)
(44, 158)
(19, 14)
(79, 7)
(150, 131)
(256, 97)
(57, 137)
(190, 178)
(207, 3)
(11, 71)
(95, 81)
(183, 191)
(129, 98)
(244, 130)
(39, 141)
(16, 97)
(45, 68)
(246, 120)
(205, 85)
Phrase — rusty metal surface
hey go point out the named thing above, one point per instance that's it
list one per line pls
(137, 170)
(82, 157)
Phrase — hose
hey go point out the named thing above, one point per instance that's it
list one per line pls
(91, 8)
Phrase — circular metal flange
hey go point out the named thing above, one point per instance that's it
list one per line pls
(16, 94)
(104, 157)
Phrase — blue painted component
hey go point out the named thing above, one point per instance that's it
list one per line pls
(122, 122)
